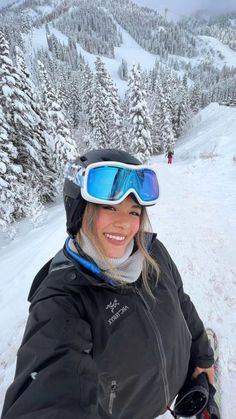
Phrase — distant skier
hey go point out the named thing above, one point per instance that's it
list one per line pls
(170, 157)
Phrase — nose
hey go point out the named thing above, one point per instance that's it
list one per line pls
(122, 221)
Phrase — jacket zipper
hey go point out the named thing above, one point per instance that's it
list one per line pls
(159, 344)
(112, 396)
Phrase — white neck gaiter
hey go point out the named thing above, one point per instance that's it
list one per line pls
(129, 266)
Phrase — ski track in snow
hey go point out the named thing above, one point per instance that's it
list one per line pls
(195, 218)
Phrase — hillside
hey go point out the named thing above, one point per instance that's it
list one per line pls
(211, 136)
(140, 23)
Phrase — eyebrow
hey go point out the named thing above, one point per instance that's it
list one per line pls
(136, 206)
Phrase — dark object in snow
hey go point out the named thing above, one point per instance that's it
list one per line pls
(170, 157)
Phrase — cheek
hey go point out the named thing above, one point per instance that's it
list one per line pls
(135, 225)
(102, 220)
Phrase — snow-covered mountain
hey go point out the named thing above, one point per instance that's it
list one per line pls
(133, 35)
(195, 218)
(57, 14)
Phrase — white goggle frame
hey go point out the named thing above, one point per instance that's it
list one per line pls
(95, 200)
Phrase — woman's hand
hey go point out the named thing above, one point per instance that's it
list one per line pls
(210, 372)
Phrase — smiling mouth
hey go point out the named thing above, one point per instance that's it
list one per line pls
(114, 238)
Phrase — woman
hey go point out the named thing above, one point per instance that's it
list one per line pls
(111, 333)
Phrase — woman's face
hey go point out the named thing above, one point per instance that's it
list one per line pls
(115, 226)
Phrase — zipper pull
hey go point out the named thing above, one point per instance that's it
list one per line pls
(112, 396)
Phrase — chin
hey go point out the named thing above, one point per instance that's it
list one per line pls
(114, 255)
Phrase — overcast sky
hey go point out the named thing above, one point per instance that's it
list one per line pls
(177, 7)
(186, 7)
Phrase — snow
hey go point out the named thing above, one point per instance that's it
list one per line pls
(3, 183)
(229, 55)
(129, 50)
(195, 218)
(5, 3)
(133, 53)
(37, 39)
(16, 3)
(7, 91)
(3, 167)
(206, 141)
(45, 9)
(207, 46)
(233, 23)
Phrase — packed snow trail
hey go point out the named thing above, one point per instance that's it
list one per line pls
(196, 221)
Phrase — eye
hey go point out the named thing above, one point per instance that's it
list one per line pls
(135, 213)
(108, 207)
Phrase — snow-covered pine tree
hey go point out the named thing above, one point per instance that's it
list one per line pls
(10, 172)
(92, 26)
(165, 139)
(112, 110)
(64, 146)
(157, 117)
(8, 177)
(73, 54)
(87, 89)
(88, 140)
(22, 120)
(171, 92)
(73, 100)
(205, 99)
(140, 138)
(99, 121)
(116, 121)
(185, 81)
(47, 176)
(196, 97)
(168, 139)
(123, 70)
(184, 112)
(124, 139)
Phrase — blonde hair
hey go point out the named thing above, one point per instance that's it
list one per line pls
(150, 266)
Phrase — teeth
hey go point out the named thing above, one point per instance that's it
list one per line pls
(110, 236)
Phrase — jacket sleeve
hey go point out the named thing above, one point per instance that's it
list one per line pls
(55, 374)
(201, 352)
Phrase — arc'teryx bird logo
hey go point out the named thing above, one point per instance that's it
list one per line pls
(115, 315)
(112, 305)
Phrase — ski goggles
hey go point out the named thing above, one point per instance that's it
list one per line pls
(111, 182)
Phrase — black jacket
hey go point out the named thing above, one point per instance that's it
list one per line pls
(92, 350)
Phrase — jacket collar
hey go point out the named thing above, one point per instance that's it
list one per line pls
(87, 270)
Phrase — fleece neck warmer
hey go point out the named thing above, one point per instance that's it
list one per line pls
(129, 266)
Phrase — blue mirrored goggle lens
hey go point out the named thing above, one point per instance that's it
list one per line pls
(148, 189)
(111, 183)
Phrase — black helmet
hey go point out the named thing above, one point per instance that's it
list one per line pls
(73, 201)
